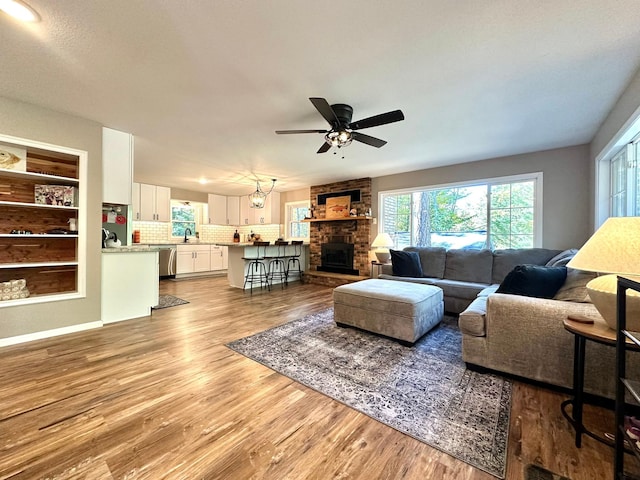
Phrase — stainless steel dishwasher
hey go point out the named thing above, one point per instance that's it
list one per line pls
(167, 260)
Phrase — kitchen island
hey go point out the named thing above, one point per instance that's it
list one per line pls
(238, 266)
(129, 282)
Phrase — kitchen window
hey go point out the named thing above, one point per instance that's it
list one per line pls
(185, 215)
(295, 212)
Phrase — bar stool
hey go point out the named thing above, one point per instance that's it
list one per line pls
(256, 270)
(277, 269)
(294, 259)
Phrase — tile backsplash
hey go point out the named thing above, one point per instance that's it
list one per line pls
(160, 232)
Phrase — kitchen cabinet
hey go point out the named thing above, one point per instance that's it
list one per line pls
(117, 166)
(151, 203)
(219, 257)
(233, 210)
(130, 284)
(217, 209)
(41, 192)
(260, 216)
(193, 259)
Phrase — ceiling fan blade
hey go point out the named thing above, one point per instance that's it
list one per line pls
(376, 120)
(324, 148)
(325, 110)
(368, 139)
(285, 132)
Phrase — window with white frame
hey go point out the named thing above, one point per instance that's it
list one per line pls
(496, 213)
(185, 217)
(294, 213)
(624, 200)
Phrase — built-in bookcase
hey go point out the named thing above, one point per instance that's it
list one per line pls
(42, 196)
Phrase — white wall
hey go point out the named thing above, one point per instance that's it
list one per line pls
(567, 187)
(35, 123)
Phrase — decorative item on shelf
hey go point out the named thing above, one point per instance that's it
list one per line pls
(14, 289)
(614, 250)
(353, 212)
(257, 198)
(60, 195)
(73, 225)
(21, 232)
(338, 207)
(382, 243)
(13, 158)
(367, 213)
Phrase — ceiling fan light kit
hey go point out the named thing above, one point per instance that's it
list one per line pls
(342, 129)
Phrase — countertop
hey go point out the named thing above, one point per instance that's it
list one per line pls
(130, 249)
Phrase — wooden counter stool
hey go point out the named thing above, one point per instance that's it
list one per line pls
(257, 271)
(293, 264)
(277, 269)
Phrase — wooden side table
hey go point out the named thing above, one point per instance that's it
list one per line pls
(598, 332)
(378, 268)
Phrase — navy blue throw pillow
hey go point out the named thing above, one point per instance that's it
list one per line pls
(534, 281)
(405, 264)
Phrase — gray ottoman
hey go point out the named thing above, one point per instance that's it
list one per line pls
(401, 310)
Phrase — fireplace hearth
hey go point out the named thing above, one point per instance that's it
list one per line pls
(337, 257)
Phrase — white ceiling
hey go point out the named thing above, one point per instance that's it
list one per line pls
(203, 84)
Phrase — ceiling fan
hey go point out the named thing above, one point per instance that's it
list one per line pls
(343, 129)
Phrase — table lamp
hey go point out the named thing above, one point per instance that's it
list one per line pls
(614, 249)
(382, 243)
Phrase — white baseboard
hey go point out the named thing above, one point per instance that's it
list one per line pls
(29, 337)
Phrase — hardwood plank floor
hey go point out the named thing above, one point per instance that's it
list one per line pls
(162, 398)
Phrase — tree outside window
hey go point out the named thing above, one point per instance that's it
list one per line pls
(183, 217)
(484, 215)
(295, 213)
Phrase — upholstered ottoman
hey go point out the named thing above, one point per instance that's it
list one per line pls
(401, 310)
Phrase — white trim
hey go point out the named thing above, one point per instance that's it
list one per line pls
(30, 337)
(287, 219)
(624, 135)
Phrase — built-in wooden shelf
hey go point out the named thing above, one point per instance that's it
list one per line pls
(309, 220)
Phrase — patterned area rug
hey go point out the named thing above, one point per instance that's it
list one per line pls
(424, 391)
(166, 301)
(535, 472)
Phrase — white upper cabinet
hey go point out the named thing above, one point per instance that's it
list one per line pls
(117, 166)
(233, 210)
(260, 216)
(217, 209)
(151, 203)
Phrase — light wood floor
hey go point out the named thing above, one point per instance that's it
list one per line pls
(163, 398)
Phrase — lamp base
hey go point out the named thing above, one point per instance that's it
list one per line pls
(603, 292)
(383, 257)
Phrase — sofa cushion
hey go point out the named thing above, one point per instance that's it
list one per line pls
(459, 289)
(562, 258)
(473, 320)
(432, 260)
(574, 288)
(506, 260)
(533, 281)
(469, 265)
(405, 264)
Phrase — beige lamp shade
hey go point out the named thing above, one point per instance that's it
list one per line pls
(382, 243)
(613, 249)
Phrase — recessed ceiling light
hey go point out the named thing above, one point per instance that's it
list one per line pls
(19, 10)
(203, 181)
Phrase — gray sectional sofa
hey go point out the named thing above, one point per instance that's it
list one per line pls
(518, 335)
(463, 274)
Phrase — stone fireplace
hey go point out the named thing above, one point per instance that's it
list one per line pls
(353, 231)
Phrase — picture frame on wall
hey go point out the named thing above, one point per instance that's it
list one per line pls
(13, 158)
(338, 207)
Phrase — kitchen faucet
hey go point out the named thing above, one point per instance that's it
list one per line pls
(185, 234)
